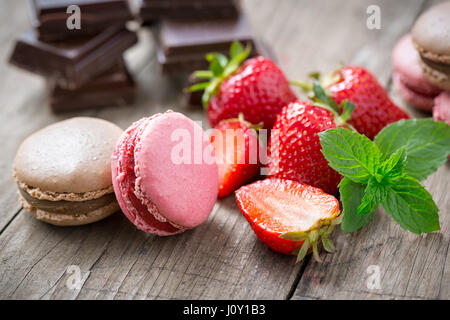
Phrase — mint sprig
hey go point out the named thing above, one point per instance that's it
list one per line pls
(386, 172)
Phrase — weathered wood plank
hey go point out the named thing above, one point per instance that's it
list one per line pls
(410, 266)
(222, 258)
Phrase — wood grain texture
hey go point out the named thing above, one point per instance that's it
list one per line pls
(222, 258)
(411, 267)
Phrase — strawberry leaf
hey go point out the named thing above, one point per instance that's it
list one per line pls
(198, 87)
(219, 57)
(321, 96)
(351, 154)
(351, 195)
(203, 74)
(426, 142)
(236, 49)
(220, 68)
(411, 205)
(303, 251)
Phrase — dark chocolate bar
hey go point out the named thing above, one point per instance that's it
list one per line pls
(116, 87)
(152, 10)
(49, 17)
(72, 63)
(182, 45)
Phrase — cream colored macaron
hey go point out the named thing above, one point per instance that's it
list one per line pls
(64, 173)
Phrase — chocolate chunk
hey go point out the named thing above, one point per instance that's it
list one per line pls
(72, 63)
(49, 17)
(116, 87)
(182, 45)
(152, 10)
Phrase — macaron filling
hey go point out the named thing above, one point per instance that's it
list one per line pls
(68, 207)
(440, 66)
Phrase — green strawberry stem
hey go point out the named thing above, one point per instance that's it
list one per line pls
(324, 100)
(220, 68)
(319, 232)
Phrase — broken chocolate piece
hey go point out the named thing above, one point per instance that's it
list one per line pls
(50, 17)
(113, 88)
(72, 63)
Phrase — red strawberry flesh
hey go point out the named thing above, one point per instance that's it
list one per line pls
(276, 206)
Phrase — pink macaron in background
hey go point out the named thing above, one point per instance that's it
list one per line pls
(164, 174)
(441, 109)
(408, 76)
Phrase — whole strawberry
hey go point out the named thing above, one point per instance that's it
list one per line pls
(288, 216)
(236, 147)
(258, 89)
(294, 146)
(373, 108)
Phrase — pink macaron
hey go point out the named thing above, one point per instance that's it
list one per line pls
(441, 110)
(408, 76)
(164, 174)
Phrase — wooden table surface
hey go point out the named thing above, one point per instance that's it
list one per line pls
(222, 258)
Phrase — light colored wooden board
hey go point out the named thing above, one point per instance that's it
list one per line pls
(222, 258)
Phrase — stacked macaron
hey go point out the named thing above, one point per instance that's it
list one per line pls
(408, 76)
(64, 174)
(422, 59)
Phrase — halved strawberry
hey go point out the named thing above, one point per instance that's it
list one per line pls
(290, 217)
(236, 146)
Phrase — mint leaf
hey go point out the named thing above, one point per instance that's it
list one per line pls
(395, 165)
(351, 195)
(411, 205)
(426, 142)
(351, 154)
(374, 195)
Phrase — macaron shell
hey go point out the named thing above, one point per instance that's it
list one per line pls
(431, 33)
(405, 60)
(416, 99)
(441, 110)
(124, 180)
(184, 190)
(70, 156)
